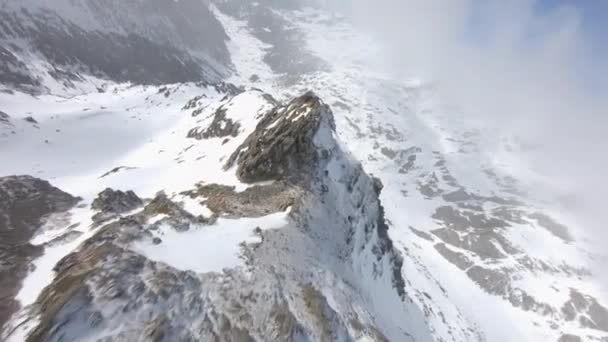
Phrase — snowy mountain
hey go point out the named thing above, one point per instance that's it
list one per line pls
(243, 171)
(62, 44)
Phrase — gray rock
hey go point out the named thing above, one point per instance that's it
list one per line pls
(162, 45)
(116, 170)
(422, 234)
(569, 338)
(25, 202)
(116, 201)
(552, 226)
(64, 238)
(4, 118)
(30, 120)
(287, 53)
(255, 201)
(590, 312)
(282, 144)
(493, 281)
(456, 258)
(220, 127)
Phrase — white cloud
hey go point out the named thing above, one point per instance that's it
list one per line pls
(529, 70)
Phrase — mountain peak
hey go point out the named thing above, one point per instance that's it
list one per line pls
(284, 141)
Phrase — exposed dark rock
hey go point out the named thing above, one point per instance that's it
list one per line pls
(523, 300)
(258, 200)
(30, 120)
(461, 195)
(385, 246)
(553, 227)
(456, 258)
(445, 173)
(509, 214)
(388, 131)
(461, 220)
(25, 202)
(64, 238)
(495, 282)
(287, 54)
(324, 316)
(390, 154)
(220, 127)
(485, 243)
(591, 314)
(193, 102)
(422, 234)
(161, 204)
(111, 203)
(117, 272)
(282, 144)
(429, 187)
(4, 118)
(409, 165)
(178, 217)
(498, 282)
(228, 88)
(569, 338)
(116, 170)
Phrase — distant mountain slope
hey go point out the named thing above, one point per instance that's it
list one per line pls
(63, 42)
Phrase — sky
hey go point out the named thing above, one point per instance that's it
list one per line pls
(594, 14)
(594, 24)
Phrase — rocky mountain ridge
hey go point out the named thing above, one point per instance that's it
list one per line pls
(212, 210)
(272, 300)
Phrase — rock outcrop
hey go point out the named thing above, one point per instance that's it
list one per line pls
(166, 42)
(282, 144)
(111, 203)
(220, 127)
(323, 277)
(4, 118)
(25, 203)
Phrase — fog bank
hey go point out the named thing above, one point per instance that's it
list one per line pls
(529, 70)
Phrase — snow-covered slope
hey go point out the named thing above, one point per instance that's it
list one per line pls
(66, 44)
(365, 211)
(316, 211)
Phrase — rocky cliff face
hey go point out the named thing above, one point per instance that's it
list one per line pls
(25, 204)
(149, 42)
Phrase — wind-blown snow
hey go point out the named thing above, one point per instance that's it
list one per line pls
(208, 248)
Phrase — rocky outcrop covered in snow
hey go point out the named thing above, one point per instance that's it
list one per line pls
(282, 144)
(330, 273)
(25, 203)
(111, 203)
